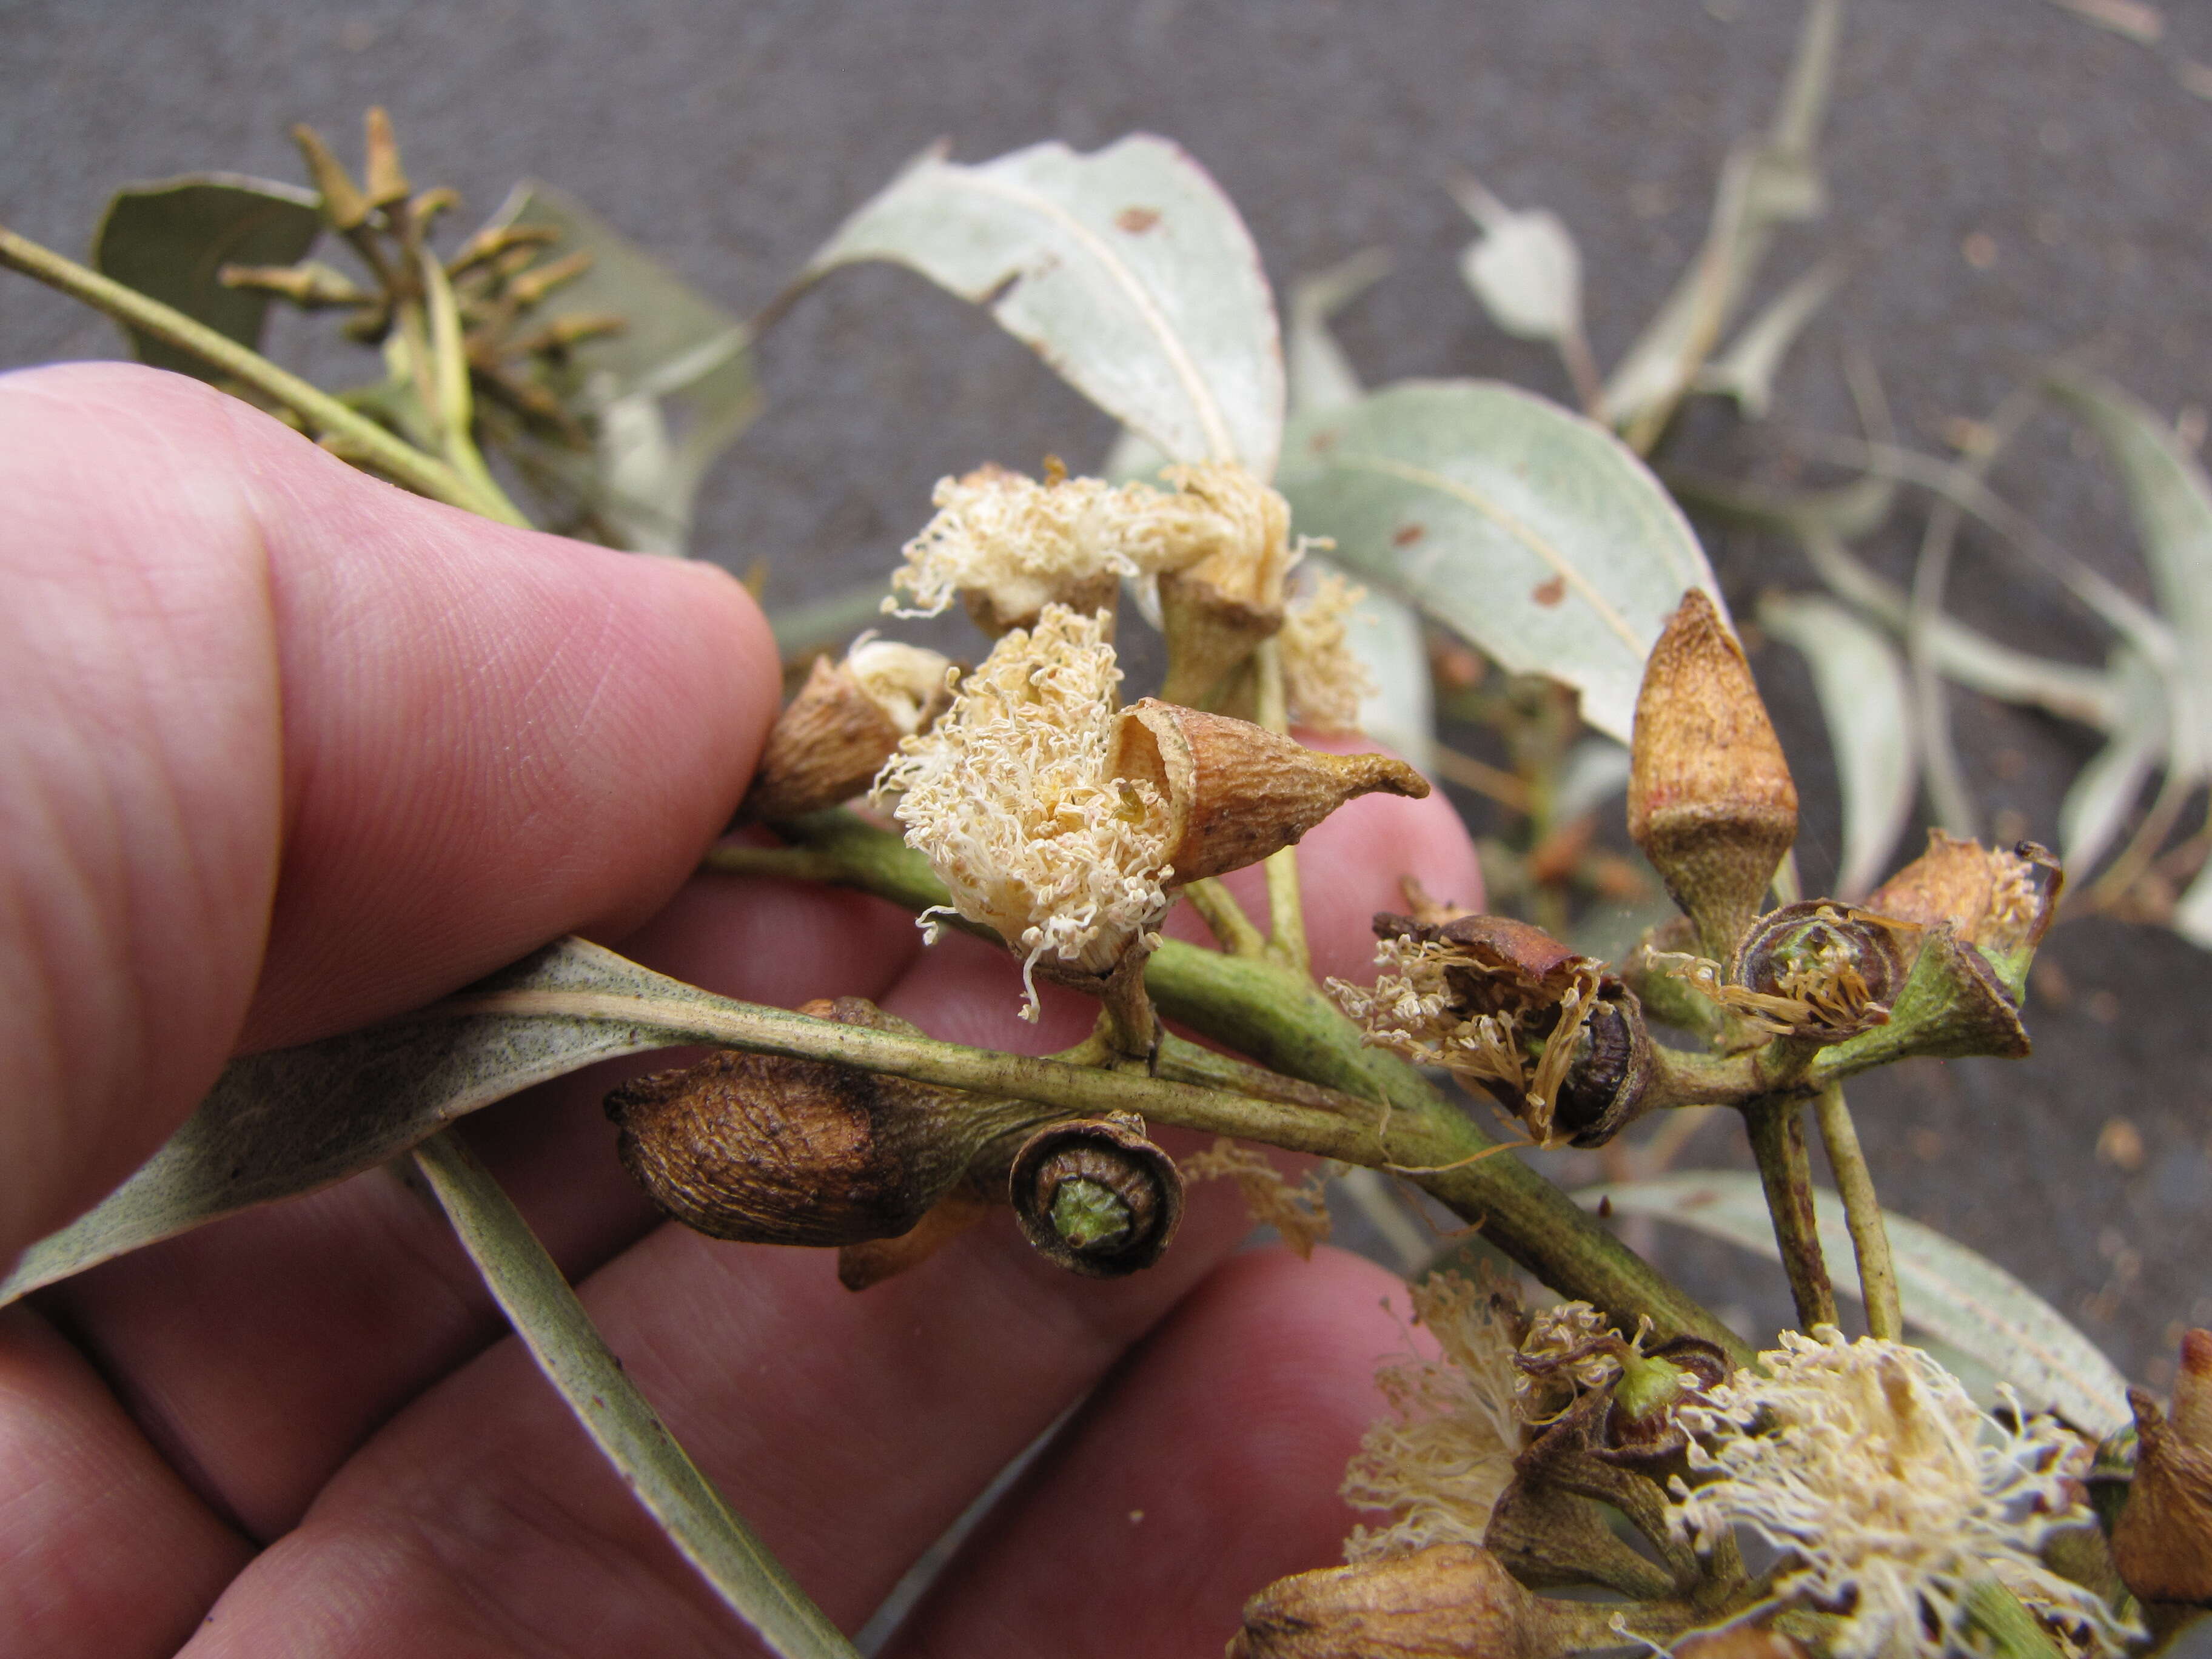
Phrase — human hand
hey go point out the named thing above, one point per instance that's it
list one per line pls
(283, 752)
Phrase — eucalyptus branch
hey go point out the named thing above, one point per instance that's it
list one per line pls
(1776, 1130)
(399, 460)
(456, 402)
(1224, 917)
(1862, 1213)
(1280, 1020)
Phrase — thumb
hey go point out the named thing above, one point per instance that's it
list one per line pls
(284, 751)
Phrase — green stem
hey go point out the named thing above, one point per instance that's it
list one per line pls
(553, 1325)
(1862, 1213)
(1286, 911)
(1777, 1128)
(456, 402)
(399, 460)
(1224, 917)
(1277, 1017)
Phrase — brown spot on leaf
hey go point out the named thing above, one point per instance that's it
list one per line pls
(1551, 592)
(1137, 220)
(1322, 442)
(1406, 534)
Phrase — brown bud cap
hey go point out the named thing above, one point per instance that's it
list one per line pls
(769, 1150)
(1236, 792)
(1095, 1196)
(2162, 1541)
(1710, 798)
(1442, 1603)
(846, 720)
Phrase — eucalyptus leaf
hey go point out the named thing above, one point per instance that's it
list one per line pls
(171, 241)
(1949, 1291)
(824, 623)
(2106, 790)
(1528, 529)
(1861, 681)
(553, 1325)
(291, 1120)
(665, 395)
(1594, 772)
(2170, 499)
(1127, 270)
(1524, 268)
(1762, 186)
(2192, 913)
(1745, 371)
(1320, 376)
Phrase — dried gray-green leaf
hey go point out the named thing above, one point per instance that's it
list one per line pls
(1745, 371)
(291, 1120)
(1127, 270)
(1527, 529)
(1861, 681)
(1949, 1291)
(2106, 789)
(171, 241)
(1524, 268)
(553, 1325)
(1762, 186)
(1320, 376)
(667, 393)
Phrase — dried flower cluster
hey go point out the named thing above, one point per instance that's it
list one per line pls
(1012, 796)
(1893, 1493)
(1013, 544)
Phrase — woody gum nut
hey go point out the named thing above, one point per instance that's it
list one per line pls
(2162, 1541)
(1711, 800)
(1237, 792)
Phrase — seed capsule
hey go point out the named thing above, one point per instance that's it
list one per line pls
(1821, 970)
(2162, 1541)
(1095, 1196)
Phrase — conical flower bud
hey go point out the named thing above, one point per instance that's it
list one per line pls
(1442, 1603)
(2162, 1541)
(1710, 798)
(764, 1149)
(1236, 792)
(834, 736)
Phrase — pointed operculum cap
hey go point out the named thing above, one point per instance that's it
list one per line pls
(2162, 1541)
(1710, 798)
(1440, 1602)
(1237, 792)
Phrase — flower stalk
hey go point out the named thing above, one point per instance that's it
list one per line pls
(1862, 1214)
(1777, 1131)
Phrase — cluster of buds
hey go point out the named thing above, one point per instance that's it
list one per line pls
(496, 283)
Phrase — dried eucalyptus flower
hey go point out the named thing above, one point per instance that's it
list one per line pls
(1012, 796)
(846, 720)
(1217, 608)
(2162, 1540)
(1503, 1005)
(2000, 902)
(1891, 1494)
(1323, 680)
(1710, 796)
(765, 1149)
(1010, 545)
(1065, 825)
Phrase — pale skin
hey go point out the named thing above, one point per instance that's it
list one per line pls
(283, 750)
